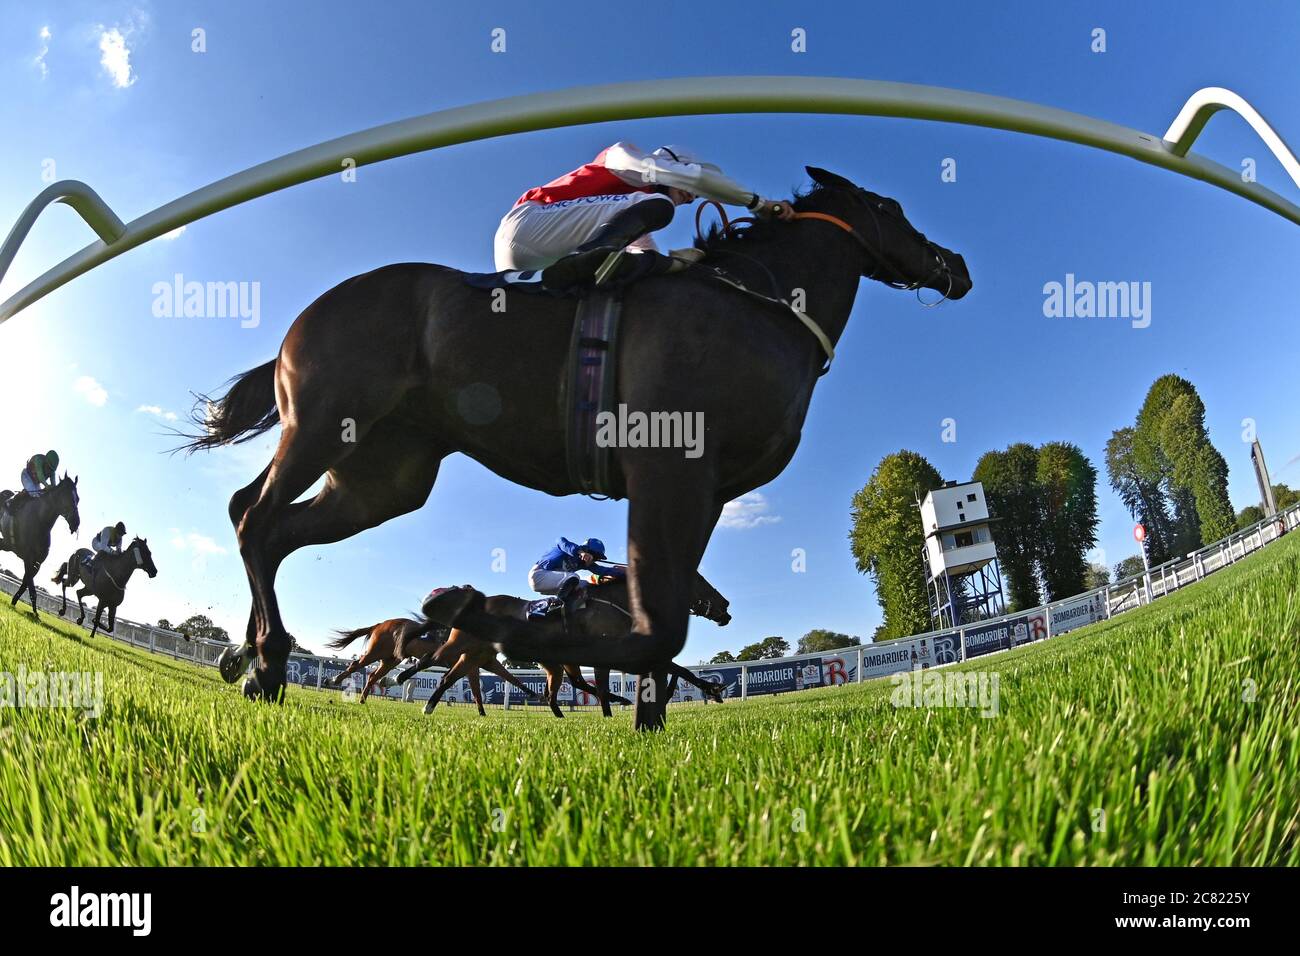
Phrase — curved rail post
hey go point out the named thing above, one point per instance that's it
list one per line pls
(1204, 103)
(692, 96)
(81, 198)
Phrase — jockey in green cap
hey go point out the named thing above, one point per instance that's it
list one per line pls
(40, 473)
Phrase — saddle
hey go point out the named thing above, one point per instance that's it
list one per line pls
(9, 509)
(589, 385)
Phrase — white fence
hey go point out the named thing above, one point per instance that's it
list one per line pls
(754, 678)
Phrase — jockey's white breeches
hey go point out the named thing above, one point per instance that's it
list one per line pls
(532, 235)
(547, 582)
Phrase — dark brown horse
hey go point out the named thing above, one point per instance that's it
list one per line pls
(106, 580)
(30, 524)
(389, 372)
(605, 616)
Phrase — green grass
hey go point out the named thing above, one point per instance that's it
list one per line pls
(1143, 718)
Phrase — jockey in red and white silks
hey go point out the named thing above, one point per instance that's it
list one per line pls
(594, 200)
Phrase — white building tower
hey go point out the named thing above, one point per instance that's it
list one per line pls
(962, 578)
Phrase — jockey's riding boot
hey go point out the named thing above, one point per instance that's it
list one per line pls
(600, 260)
(572, 595)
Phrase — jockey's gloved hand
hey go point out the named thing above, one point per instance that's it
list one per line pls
(773, 209)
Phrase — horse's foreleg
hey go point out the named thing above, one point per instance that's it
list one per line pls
(710, 688)
(112, 619)
(81, 604)
(95, 625)
(672, 510)
(602, 683)
(494, 666)
(29, 581)
(458, 670)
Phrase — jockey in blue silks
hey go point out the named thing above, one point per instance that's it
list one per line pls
(557, 571)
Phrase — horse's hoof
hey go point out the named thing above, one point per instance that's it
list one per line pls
(232, 663)
(261, 685)
(428, 707)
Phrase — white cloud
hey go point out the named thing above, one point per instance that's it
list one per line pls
(91, 391)
(115, 55)
(158, 412)
(174, 234)
(45, 48)
(199, 544)
(747, 511)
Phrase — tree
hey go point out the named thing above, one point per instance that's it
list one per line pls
(886, 539)
(723, 657)
(1010, 480)
(1249, 515)
(1172, 449)
(1143, 497)
(1068, 495)
(1098, 576)
(164, 624)
(767, 649)
(1284, 497)
(822, 640)
(1129, 567)
(200, 627)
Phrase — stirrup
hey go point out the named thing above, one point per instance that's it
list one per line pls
(609, 267)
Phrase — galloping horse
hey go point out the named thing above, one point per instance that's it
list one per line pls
(393, 641)
(107, 582)
(31, 522)
(605, 616)
(420, 366)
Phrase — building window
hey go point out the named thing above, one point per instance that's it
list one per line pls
(964, 539)
(971, 496)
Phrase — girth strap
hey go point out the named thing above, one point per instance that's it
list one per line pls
(589, 390)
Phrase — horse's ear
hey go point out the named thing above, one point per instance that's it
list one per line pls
(824, 177)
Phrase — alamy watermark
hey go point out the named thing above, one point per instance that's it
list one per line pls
(947, 688)
(74, 690)
(624, 429)
(1084, 299)
(180, 299)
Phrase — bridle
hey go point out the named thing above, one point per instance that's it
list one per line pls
(875, 255)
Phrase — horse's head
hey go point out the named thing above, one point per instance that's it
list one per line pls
(895, 252)
(66, 500)
(446, 606)
(707, 602)
(143, 557)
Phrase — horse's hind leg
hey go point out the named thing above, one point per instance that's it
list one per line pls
(476, 688)
(554, 681)
(373, 680)
(81, 604)
(357, 495)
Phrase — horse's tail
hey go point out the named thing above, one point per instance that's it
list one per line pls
(246, 410)
(63, 570)
(347, 637)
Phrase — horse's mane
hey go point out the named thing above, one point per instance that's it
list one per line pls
(759, 231)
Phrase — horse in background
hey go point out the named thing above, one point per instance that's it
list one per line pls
(105, 578)
(27, 524)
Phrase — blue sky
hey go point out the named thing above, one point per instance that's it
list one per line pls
(114, 95)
